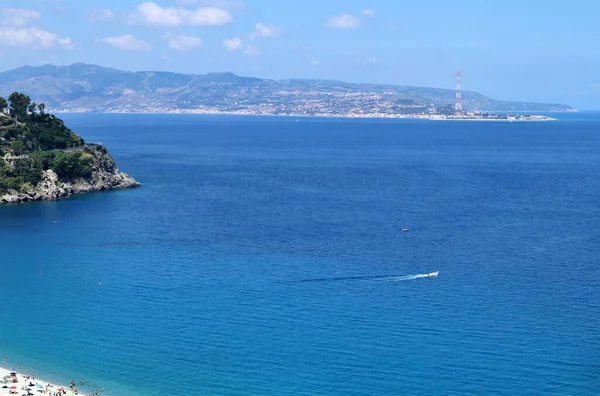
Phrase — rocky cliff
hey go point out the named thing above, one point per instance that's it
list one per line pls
(42, 159)
(104, 176)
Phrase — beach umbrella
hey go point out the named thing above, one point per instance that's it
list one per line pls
(13, 387)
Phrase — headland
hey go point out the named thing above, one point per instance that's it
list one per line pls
(42, 159)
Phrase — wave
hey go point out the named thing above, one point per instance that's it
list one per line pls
(396, 278)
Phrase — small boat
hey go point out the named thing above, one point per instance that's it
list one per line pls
(433, 273)
(405, 229)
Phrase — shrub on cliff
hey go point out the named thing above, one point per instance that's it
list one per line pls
(36, 141)
(28, 170)
(21, 171)
(72, 166)
(51, 133)
(29, 120)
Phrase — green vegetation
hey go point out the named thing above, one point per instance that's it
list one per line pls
(39, 129)
(32, 141)
(72, 166)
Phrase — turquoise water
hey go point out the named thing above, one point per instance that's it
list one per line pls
(264, 256)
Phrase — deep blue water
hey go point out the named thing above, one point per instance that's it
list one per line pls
(227, 268)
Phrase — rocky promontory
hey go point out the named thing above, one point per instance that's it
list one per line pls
(42, 159)
(104, 176)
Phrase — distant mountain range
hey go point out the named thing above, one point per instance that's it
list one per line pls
(84, 87)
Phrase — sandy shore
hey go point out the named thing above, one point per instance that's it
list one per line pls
(26, 384)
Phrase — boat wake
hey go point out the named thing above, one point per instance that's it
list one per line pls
(393, 278)
(412, 277)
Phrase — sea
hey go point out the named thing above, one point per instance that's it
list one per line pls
(279, 256)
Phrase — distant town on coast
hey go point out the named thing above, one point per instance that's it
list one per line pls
(90, 88)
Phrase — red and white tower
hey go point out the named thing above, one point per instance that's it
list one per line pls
(458, 104)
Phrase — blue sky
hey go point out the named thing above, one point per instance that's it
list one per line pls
(531, 50)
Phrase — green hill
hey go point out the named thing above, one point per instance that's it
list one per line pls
(37, 147)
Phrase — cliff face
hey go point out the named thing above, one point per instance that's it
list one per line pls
(104, 176)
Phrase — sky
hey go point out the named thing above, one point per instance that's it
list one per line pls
(529, 50)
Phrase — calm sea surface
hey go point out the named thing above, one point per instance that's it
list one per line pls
(265, 256)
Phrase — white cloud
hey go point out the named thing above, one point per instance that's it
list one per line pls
(15, 32)
(126, 43)
(368, 12)
(18, 17)
(183, 42)
(371, 60)
(344, 21)
(267, 31)
(250, 50)
(101, 15)
(233, 44)
(154, 15)
(27, 37)
(232, 5)
(236, 44)
(315, 62)
(67, 43)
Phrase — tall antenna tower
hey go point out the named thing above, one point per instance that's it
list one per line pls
(458, 104)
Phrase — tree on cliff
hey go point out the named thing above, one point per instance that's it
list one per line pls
(3, 104)
(36, 128)
(32, 108)
(19, 103)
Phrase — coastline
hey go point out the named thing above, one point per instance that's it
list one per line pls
(63, 324)
(36, 386)
(51, 189)
(426, 117)
(105, 176)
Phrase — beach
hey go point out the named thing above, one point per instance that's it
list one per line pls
(15, 383)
